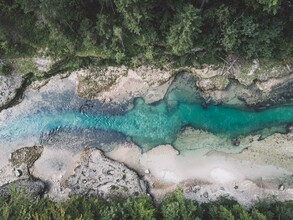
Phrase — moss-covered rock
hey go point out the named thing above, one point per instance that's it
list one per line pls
(92, 81)
(29, 187)
(261, 71)
(214, 83)
(26, 155)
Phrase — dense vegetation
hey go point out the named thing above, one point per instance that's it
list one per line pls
(174, 207)
(136, 32)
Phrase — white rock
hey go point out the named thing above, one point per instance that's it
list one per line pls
(147, 171)
(17, 172)
(281, 187)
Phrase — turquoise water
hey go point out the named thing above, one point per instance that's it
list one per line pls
(150, 125)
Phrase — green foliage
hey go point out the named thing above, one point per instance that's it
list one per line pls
(273, 209)
(135, 13)
(135, 32)
(20, 207)
(221, 213)
(184, 30)
(5, 69)
(177, 207)
(142, 208)
(255, 214)
(271, 6)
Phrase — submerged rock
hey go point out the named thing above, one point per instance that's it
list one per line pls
(97, 175)
(29, 187)
(76, 139)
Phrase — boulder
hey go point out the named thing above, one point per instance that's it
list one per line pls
(120, 85)
(26, 155)
(92, 81)
(97, 175)
(30, 187)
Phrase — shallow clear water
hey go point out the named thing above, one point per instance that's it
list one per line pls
(150, 125)
(146, 125)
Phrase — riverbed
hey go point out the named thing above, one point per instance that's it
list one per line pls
(178, 138)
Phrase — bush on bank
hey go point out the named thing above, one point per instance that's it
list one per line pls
(175, 206)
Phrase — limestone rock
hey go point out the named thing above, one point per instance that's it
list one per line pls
(152, 76)
(18, 172)
(260, 72)
(92, 81)
(214, 83)
(30, 187)
(119, 85)
(20, 164)
(281, 187)
(43, 64)
(206, 72)
(8, 88)
(97, 175)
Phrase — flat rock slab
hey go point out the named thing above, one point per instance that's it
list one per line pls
(30, 187)
(120, 85)
(96, 175)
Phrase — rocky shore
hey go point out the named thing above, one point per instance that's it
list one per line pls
(261, 170)
(236, 83)
(253, 84)
(91, 174)
(121, 85)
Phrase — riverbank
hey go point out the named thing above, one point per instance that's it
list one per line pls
(203, 177)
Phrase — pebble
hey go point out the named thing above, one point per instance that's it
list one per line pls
(196, 188)
(206, 194)
(225, 195)
(281, 187)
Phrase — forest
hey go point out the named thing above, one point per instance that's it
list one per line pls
(175, 206)
(136, 32)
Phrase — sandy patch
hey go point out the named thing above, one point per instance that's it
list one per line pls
(129, 154)
(54, 167)
(167, 166)
(206, 177)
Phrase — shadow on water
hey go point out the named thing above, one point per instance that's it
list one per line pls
(76, 139)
